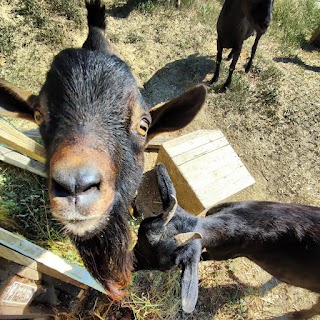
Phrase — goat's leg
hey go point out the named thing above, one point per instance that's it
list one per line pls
(253, 52)
(230, 55)
(218, 63)
(236, 54)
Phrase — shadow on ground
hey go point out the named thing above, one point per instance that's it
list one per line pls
(176, 77)
(122, 9)
(298, 61)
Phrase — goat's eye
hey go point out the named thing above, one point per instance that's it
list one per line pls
(38, 117)
(143, 127)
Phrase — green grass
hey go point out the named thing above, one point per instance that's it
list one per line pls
(295, 20)
(24, 208)
(7, 42)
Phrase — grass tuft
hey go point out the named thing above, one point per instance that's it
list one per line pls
(295, 20)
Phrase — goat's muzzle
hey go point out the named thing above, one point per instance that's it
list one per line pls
(82, 188)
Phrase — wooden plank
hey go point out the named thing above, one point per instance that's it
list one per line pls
(204, 169)
(15, 267)
(18, 141)
(49, 263)
(224, 188)
(14, 313)
(210, 161)
(230, 167)
(200, 151)
(33, 133)
(21, 161)
(190, 141)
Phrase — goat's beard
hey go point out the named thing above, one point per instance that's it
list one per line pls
(107, 254)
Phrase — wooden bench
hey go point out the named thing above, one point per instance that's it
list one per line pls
(204, 168)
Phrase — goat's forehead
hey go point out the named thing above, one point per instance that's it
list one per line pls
(84, 82)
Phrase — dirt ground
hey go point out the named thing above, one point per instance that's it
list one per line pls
(270, 116)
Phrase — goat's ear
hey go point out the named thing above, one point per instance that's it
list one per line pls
(169, 213)
(177, 113)
(16, 102)
(184, 238)
(189, 286)
(165, 185)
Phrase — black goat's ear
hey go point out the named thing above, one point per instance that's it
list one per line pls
(165, 185)
(178, 112)
(169, 213)
(184, 238)
(16, 102)
(189, 286)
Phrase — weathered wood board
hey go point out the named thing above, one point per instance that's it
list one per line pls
(36, 283)
(204, 168)
(18, 141)
(44, 261)
(23, 162)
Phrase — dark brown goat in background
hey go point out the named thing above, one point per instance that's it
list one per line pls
(282, 238)
(95, 126)
(238, 20)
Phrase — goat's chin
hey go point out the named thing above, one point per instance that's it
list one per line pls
(107, 255)
(85, 228)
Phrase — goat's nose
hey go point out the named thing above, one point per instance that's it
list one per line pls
(76, 181)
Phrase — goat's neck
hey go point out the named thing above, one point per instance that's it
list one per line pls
(227, 236)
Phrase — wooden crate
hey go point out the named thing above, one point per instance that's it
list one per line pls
(35, 283)
(204, 168)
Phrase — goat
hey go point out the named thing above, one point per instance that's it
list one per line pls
(282, 238)
(95, 126)
(238, 20)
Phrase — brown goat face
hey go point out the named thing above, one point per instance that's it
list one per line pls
(94, 138)
(95, 125)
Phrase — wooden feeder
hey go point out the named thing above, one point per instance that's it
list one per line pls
(35, 283)
(204, 169)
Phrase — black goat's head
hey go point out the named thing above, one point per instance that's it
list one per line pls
(95, 126)
(169, 240)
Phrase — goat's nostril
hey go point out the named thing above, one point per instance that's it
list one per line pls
(74, 182)
(93, 187)
(60, 190)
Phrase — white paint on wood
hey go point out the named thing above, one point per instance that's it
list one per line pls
(48, 259)
(21, 161)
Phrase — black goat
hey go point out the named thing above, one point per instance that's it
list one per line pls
(283, 239)
(238, 20)
(95, 126)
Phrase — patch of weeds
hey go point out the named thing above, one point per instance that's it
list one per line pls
(290, 22)
(51, 35)
(155, 295)
(7, 44)
(271, 71)
(270, 94)
(239, 92)
(146, 7)
(207, 13)
(33, 10)
(70, 9)
(134, 37)
(114, 37)
(23, 198)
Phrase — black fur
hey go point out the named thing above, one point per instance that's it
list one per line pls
(282, 238)
(238, 20)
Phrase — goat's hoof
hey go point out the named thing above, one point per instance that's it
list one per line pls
(212, 82)
(247, 69)
(223, 89)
